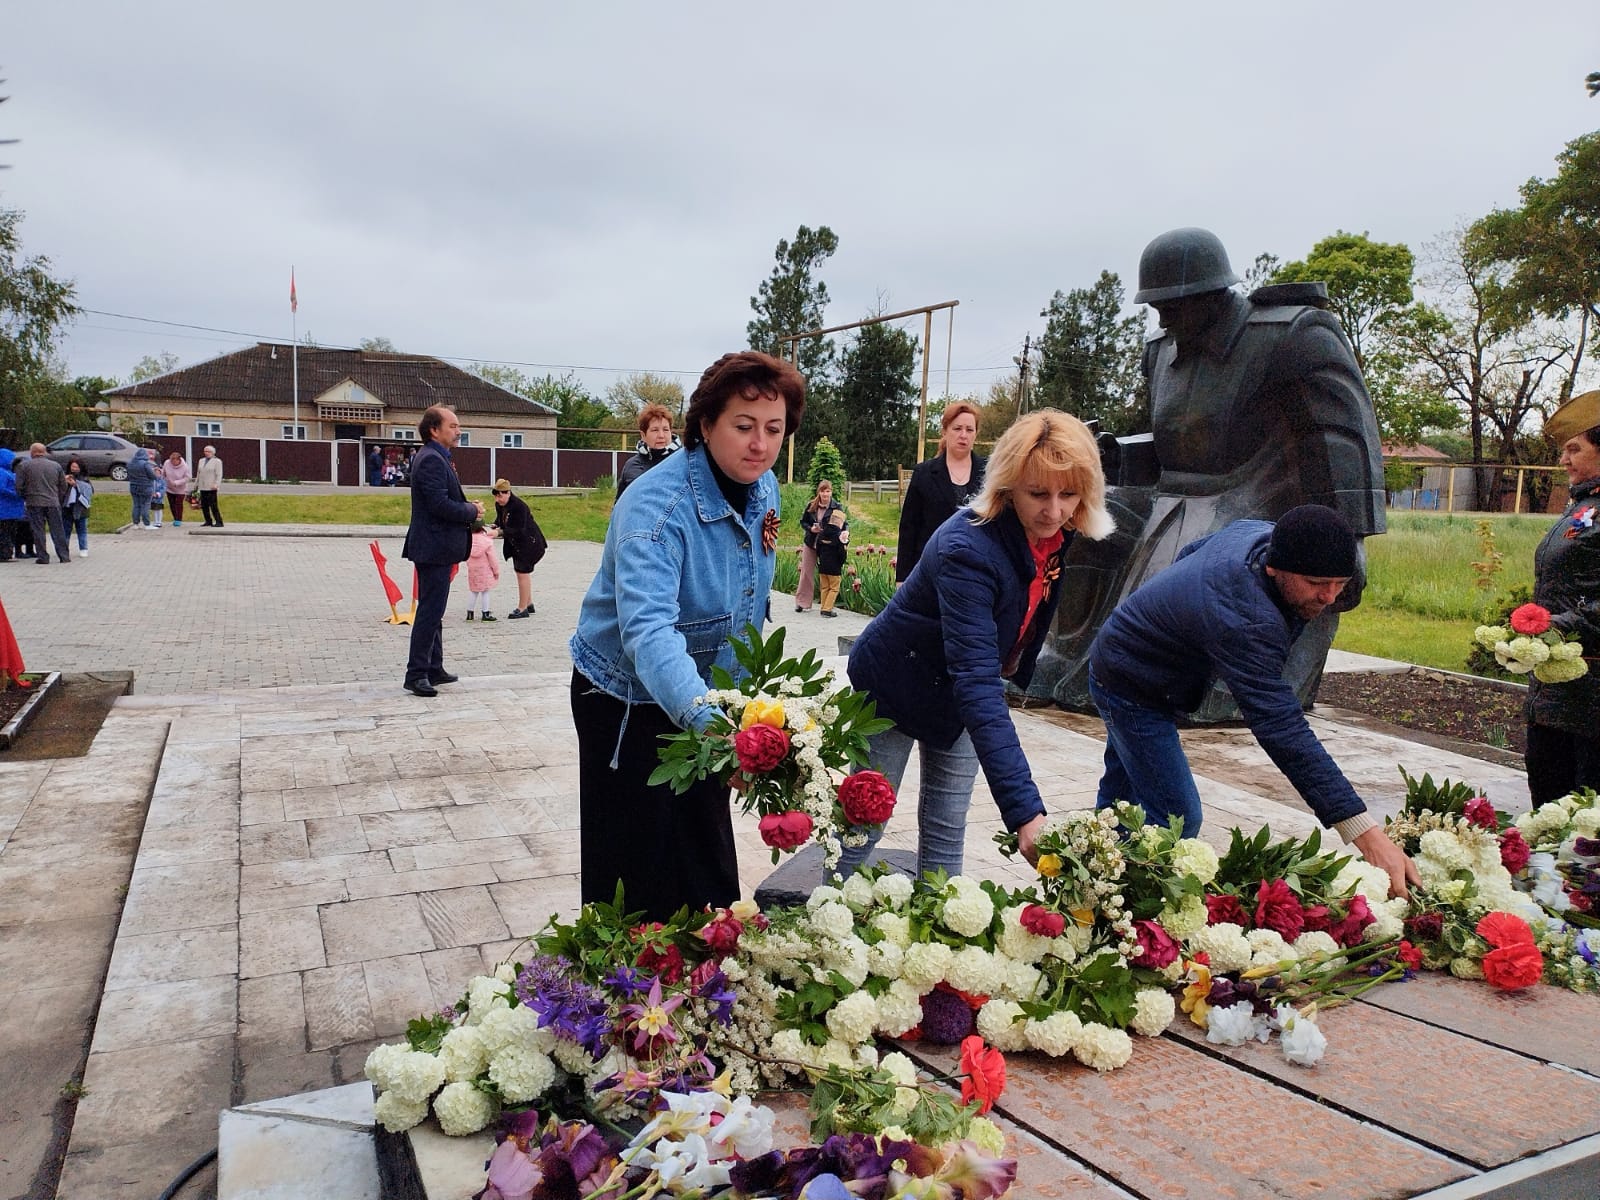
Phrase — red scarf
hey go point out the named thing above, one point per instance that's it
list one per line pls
(1044, 577)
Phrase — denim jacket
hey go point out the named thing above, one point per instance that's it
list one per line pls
(680, 575)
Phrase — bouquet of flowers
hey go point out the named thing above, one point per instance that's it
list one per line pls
(1533, 645)
(786, 733)
(1561, 856)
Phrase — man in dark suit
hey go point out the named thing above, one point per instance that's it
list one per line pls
(439, 538)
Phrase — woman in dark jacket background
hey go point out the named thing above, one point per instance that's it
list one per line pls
(1564, 718)
(972, 615)
(939, 486)
(522, 543)
(655, 443)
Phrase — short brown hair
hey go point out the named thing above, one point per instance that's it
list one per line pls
(1054, 445)
(431, 420)
(961, 408)
(747, 373)
(652, 413)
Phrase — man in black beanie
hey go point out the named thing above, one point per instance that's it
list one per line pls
(1229, 607)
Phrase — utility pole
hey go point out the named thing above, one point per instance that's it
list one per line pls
(1022, 372)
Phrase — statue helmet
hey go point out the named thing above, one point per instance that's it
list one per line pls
(1183, 262)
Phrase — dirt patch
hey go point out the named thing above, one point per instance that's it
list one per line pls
(1448, 706)
(69, 717)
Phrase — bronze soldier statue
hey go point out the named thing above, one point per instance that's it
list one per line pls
(1257, 405)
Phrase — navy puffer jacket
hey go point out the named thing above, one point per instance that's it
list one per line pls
(1216, 614)
(931, 659)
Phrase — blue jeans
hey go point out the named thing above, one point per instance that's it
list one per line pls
(141, 507)
(947, 777)
(1145, 764)
(78, 521)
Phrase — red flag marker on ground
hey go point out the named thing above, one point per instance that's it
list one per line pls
(391, 589)
(11, 667)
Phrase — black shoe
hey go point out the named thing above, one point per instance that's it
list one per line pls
(488, 617)
(421, 687)
(516, 614)
(443, 677)
(43, 562)
(469, 614)
(797, 608)
(829, 613)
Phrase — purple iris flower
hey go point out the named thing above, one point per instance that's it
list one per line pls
(721, 996)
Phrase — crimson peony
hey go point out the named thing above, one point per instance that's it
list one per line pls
(1514, 851)
(1530, 620)
(760, 748)
(1036, 918)
(1226, 909)
(1157, 949)
(867, 798)
(785, 831)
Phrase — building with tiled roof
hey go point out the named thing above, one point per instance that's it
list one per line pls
(343, 395)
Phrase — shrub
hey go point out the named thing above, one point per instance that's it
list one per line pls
(826, 463)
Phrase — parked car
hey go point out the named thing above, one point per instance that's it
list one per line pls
(100, 453)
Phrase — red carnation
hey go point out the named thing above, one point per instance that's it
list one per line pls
(1226, 909)
(1318, 918)
(1411, 956)
(1036, 918)
(668, 963)
(1481, 813)
(1504, 929)
(760, 748)
(1531, 619)
(1514, 851)
(1347, 930)
(1278, 909)
(1157, 949)
(785, 831)
(983, 1070)
(1517, 965)
(867, 798)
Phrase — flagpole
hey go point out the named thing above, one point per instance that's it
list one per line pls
(294, 330)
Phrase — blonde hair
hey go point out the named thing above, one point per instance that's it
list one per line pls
(1058, 448)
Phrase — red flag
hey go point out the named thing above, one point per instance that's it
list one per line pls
(10, 652)
(294, 301)
(390, 587)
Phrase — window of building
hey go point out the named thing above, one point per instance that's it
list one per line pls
(466, 438)
(155, 425)
(403, 433)
(208, 429)
(294, 433)
(511, 441)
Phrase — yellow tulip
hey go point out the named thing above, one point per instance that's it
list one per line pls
(1082, 916)
(762, 712)
(1049, 865)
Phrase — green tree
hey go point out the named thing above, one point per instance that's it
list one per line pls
(1089, 358)
(1551, 244)
(152, 365)
(631, 394)
(35, 400)
(878, 400)
(576, 410)
(793, 300)
(827, 464)
(1368, 282)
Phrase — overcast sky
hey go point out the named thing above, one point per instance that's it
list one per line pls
(603, 184)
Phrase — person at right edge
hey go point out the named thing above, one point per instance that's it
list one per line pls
(1564, 718)
(438, 540)
(1229, 608)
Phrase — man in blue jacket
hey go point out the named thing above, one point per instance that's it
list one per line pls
(1229, 607)
(440, 537)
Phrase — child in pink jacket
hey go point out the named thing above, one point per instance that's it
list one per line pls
(483, 572)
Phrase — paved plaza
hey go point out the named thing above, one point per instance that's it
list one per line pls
(324, 855)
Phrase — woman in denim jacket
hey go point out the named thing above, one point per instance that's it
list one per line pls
(687, 564)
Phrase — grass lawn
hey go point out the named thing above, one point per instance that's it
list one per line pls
(1406, 637)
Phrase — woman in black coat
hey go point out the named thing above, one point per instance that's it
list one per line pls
(939, 487)
(522, 543)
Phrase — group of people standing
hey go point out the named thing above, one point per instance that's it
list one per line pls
(42, 503)
(155, 482)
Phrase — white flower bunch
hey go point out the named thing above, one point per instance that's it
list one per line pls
(1225, 944)
(967, 909)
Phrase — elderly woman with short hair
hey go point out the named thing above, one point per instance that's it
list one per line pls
(687, 564)
(971, 617)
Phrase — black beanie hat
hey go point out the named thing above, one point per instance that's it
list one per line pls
(1313, 540)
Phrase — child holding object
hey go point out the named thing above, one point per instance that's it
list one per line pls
(158, 499)
(832, 538)
(483, 572)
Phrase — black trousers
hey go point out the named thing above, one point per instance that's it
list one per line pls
(427, 626)
(1560, 761)
(40, 518)
(209, 509)
(667, 851)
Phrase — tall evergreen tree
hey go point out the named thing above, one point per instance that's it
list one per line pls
(1089, 358)
(792, 300)
(877, 407)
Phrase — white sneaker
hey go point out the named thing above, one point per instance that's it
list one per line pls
(83, 554)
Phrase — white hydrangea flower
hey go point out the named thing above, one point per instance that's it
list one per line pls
(899, 1009)
(1017, 942)
(412, 1075)
(504, 1027)
(968, 911)
(926, 964)
(858, 892)
(1315, 941)
(1056, 1035)
(485, 994)
(893, 889)
(975, 971)
(522, 1074)
(885, 958)
(789, 1046)
(848, 956)
(999, 1023)
(1194, 857)
(1191, 915)
(1270, 942)
(463, 1109)
(397, 1115)
(1153, 1009)
(1225, 944)
(572, 1058)
(986, 1136)
(823, 894)
(463, 1054)
(1102, 1047)
(894, 927)
(833, 919)
(1586, 822)
(1021, 979)
(854, 1018)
